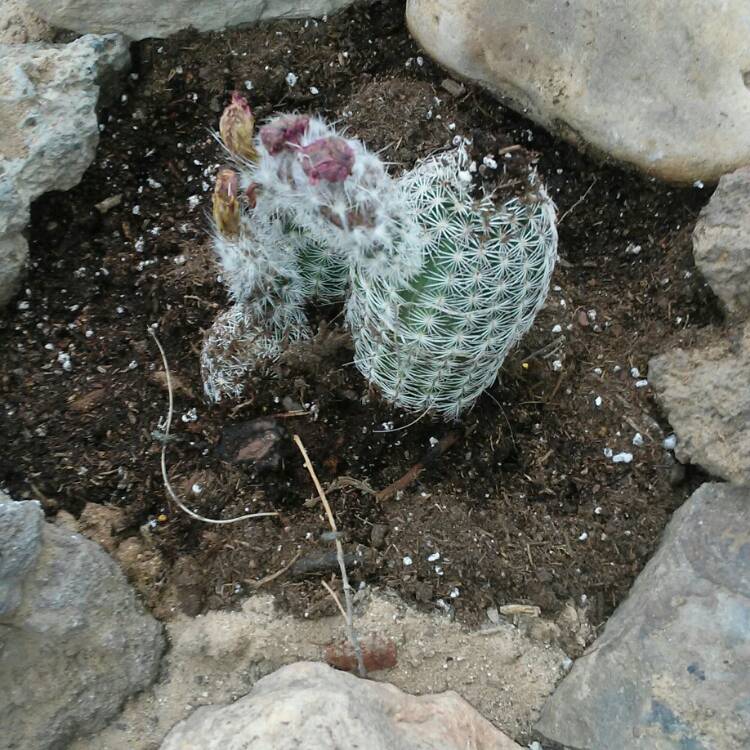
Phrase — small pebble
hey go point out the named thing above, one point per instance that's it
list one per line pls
(670, 442)
(638, 439)
(407, 561)
(434, 557)
(598, 401)
(622, 458)
(641, 383)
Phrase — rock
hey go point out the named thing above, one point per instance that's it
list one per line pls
(216, 657)
(670, 671)
(313, 706)
(140, 19)
(18, 25)
(74, 642)
(101, 523)
(259, 444)
(663, 87)
(706, 395)
(721, 242)
(48, 97)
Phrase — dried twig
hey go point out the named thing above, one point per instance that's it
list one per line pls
(165, 440)
(274, 576)
(411, 476)
(577, 203)
(335, 598)
(349, 618)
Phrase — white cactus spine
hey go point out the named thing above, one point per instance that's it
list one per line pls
(436, 339)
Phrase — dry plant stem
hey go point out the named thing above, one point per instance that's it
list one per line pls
(164, 474)
(274, 576)
(335, 598)
(349, 617)
(402, 483)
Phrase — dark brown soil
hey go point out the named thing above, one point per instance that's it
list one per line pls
(524, 507)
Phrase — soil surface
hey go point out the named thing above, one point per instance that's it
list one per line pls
(516, 504)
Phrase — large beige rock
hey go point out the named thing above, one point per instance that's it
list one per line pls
(721, 242)
(662, 85)
(314, 706)
(706, 394)
(139, 19)
(74, 642)
(218, 657)
(19, 25)
(49, 133)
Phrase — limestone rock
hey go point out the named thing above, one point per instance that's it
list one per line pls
(216, 657)
(706, 395)
(140, 19)
(661, 85)
(670, 671)
(74, 642)
(19, 25)
(48, 97)
(316, 707)
(721, 242)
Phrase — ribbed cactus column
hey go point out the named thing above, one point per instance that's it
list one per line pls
(435, 340)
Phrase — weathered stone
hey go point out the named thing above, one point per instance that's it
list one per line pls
(218, 656)
(74, 643)
(706, 395)
(139, 19)
(313, 706)
(19, 25)
(721, 242)
(20, 541)
(48, 97)
(662, 86)
(670, 671)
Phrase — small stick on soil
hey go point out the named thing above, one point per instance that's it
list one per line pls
(165, 440)
(274, 576)
(577, 203)
(335, 598)
(411, 476)
(340, 554)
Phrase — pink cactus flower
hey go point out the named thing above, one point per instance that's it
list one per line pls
(330, 159)
(283, 132)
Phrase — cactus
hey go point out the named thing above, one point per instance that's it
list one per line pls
(435, 340)
(443, 284)
(264, 283)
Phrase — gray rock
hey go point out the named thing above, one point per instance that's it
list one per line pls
(316, 707)
(670, 671)
(48, 98)
(706, 395)
(721, 242)
(139, 19)
(74, 642)
(661, 85)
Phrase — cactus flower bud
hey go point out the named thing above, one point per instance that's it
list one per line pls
(237, 126)
(226, 208)
(283, 131)
(330, 159)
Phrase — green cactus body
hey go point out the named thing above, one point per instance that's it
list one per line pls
(323, 272)
(436, 340)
